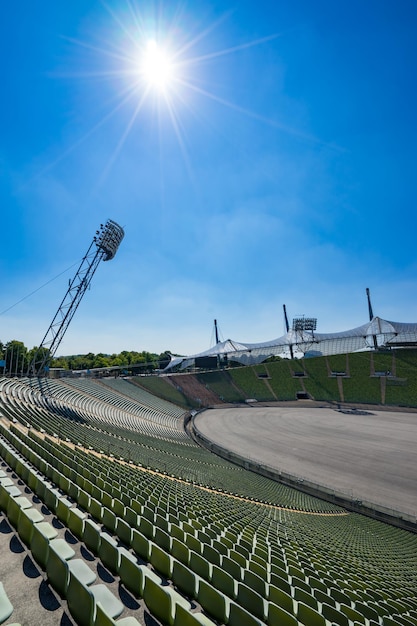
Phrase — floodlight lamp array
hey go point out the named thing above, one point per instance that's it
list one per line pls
(300, 324)
(108, 239)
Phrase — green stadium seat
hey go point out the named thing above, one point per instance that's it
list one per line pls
(259, 569)
(7, 492)
(141, 545)
(185, 618)
(103, 619)
(367, 611)
(180, 551)
(58, 571)
(84, 499)
(211, 554)
(333, 615)
(184, 579)
(281, 598)
(251, 601)
(108, 553)
(131, 574)
(278, 616)
(51, 497)
(146, 528)
(339, 596)
(92, 536)
(6, 607)
(124, 531)
(315, 583)
(109, 519)
(200, 565)
(27, 518)
(82, 601)
(15, 506)
(163, 539)
(306, 598)
(232, 568)
(42, 533)
(161, 561)
(352, 614)
(162, 601)
(238, 558)
(238, 616)
(75, 522)
(131, 517)
(255, 582)
(62, 509)
(62, 548)
(223, 581)
(298, 583)
(96, 509)
(193, 543)
(309, 616)
(118, 508)
(214, 602)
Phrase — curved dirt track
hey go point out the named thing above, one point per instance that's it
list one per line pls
(370, 457)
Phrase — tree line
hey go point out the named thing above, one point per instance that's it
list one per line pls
(15, 359)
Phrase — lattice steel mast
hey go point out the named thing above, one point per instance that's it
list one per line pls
(287, 328)
(371, 316)
(103, 248)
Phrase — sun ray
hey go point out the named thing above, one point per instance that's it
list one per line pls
(101, 51)
(176, 126)
(226, 51)
(256, 116)
(120, 22)
(202, 34)
(151, 61)
(82, 139)
(122, 139)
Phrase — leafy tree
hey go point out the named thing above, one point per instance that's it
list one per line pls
(16, 357)
(40, 354)
(101, 361)
(61, 362)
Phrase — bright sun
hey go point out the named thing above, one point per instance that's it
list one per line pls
(156, 66)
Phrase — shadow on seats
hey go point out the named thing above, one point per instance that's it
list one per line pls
(87, 555)
(30, 569)
(16, 546)
(149, 620)
(128, 600)
(47, 598)
(104, 574)
(65, 621)
(5, 527)
(69, 537)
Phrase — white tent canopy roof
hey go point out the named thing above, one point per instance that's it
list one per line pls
(378, 332)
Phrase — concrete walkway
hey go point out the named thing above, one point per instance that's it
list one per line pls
(370, 457)
(34, 600)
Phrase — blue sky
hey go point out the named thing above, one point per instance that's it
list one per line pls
(279, 167)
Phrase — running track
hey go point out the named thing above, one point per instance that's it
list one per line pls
(368, 457)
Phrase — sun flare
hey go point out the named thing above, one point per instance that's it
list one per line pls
(160, 66)
(156, 66)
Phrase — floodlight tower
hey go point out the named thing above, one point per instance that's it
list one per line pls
(371, 315)
(103, 248)
(287, 328)
(299, 326)
(216, 332)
